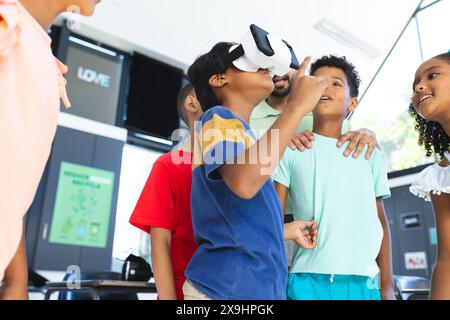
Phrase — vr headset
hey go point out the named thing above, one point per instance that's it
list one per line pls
(261, 50)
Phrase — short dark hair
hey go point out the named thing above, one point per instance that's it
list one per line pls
(340, 63)
(186, 91)
(203, 68)
(443, 56)
(431, 134)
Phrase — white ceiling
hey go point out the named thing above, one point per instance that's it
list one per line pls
(177, 31)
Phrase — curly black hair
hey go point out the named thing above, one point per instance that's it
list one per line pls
(431, 134)
(340, 63)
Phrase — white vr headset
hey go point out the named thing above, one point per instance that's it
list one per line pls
(262, 50)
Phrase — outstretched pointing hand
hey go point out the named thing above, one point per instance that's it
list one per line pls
(307, 90)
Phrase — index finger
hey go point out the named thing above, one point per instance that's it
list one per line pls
(344, 138)
(309, 135)
(370, 150)
(302, 69)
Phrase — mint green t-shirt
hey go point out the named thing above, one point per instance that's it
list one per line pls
(264, 116)
(339, 193)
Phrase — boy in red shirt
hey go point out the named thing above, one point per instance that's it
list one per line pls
(164, 208)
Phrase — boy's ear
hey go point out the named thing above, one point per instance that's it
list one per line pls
(353, 105)
(218, 80)
(190, 105)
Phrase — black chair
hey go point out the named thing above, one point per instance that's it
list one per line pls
(73, 295)
(411, 288)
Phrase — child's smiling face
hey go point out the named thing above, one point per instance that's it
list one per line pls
(431, 97)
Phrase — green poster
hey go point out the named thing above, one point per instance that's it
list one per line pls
(83, 206)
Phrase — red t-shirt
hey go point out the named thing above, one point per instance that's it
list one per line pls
(165, 202)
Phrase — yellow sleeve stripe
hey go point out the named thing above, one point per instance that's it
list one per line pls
(215, 131)
(219, 130)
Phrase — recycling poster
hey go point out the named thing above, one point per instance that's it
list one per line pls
(82, 206)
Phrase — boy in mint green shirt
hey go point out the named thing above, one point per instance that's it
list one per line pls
(352, 259)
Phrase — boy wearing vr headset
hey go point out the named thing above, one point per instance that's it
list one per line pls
(236, 214)
(354, 245)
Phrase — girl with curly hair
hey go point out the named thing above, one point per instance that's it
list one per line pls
(431, 109)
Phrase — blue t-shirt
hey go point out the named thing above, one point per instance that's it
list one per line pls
(241, 249)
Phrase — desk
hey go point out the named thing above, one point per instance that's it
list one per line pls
(95, 287)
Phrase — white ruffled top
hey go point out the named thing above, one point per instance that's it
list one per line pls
(433, 180)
